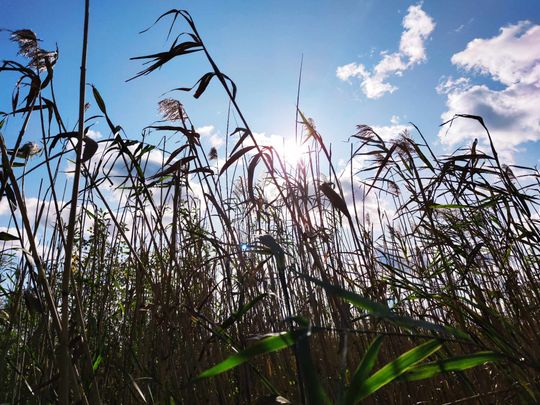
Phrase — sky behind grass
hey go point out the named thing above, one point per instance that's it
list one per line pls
(381, 63)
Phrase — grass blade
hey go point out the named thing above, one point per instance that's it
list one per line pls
(394, 369)
(460, 363)
(267, 345)
(377, 309)
(363, 370)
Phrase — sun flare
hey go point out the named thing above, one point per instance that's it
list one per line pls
(292, 152)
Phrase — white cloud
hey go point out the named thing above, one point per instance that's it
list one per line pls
(209, 132)
(418, 26)
(205, 130)
(388, 132)
(216, 140)
(513, 59)
(95, 135)
(351, 70)
(4, 206)
(449, 84)
(375, 87)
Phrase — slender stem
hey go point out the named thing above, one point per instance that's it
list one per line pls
(65, 357)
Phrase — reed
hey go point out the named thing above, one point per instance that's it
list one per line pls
(171, 276)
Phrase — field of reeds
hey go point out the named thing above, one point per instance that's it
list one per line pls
(164, 273)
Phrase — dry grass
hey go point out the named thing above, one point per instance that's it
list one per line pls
(298, 268)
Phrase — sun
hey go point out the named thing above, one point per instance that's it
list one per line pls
(293, 153)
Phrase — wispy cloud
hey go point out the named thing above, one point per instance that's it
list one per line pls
(511, 58)
(418, 26)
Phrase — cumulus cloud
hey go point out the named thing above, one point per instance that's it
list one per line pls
(388, 132)
(511, 58)
(418, 26)
(205, 130)
(215, 139)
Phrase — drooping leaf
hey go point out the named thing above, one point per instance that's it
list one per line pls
(420, 154)
(377, 309)
(219, 210)
(276, 249)
(174, 12)
(245, 133)
(159, 59)
(381, 166)
(62, 135)
(233, 158)
(461, 363)
(334, 198)
(202, 170)
(233, 85)
(251, 174)
(175, 153)
(90, 146)
(90, 149)
(7, 236)
(175, 167)
(99, 100)
(203, 84)
(269, 344)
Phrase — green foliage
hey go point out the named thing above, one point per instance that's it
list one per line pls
(266, 345)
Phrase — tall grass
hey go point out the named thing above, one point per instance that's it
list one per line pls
(404, 278)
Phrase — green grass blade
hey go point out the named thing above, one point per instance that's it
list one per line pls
(236, 316)
(266, 345)
(363, 369)
(423, 371)
(377, 309)
(315, 392)
(97, 362)
(396, 368)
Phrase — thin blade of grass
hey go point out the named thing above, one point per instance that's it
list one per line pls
(396, 368)
(267, 345)
(461, 363)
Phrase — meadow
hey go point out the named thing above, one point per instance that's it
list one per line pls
(134, 272)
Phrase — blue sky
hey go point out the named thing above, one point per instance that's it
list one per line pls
(259, 45)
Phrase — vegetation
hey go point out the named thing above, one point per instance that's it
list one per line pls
(405, 278)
